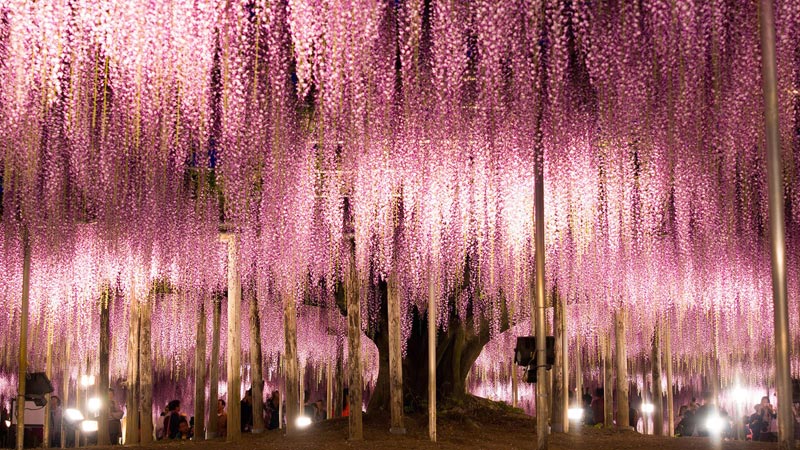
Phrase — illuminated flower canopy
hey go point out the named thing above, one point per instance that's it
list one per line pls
(132, 129)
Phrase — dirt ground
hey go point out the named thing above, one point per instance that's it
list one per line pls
(486, 428)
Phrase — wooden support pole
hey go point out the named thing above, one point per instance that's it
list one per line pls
(658, 403)
(623, 417)
(560, 421)
(432, 358)
(329, 389)
(579, 374)
(514, 384)
(301, 383)
(256, 370)
(777, 232)
(281, 409)
(608, 386)
(352, 297)
(670, 386)
(538, 286)
(23, 337)
(290, 363)
(78, 400)
(338, 398)
(103, 437)
(48, 408)
(132, 395)
(65, 394)
(234, 341)
(395, 357)
(644, 392)
(145, 372)
(213, 369)
(200, 375)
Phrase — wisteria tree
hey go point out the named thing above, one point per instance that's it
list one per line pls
(131, 130)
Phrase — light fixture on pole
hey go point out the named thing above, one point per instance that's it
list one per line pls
(87, 380)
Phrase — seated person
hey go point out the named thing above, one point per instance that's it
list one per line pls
(114, 419)
(172, 419)
(184, 431)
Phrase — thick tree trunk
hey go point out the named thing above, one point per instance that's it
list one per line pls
(456, 351)
(457, 348)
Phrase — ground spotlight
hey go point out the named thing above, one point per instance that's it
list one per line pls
(575, 413)
(648, 408)
(73, 415)
(715, 425)
(89, 426)
(303, 422)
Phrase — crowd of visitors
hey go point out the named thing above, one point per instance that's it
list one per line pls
(761, 425)
(693, 417)
(177, 425)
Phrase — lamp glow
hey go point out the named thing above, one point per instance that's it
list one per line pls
(8, 424)
(715, 425)
(89, 426)
(87, 380)
(648, 408)
(73, 415)
(740, 394)
(93, 404)
(575, 413)
(303, 422)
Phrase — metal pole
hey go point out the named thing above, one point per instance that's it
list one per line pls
(776, 227)
(23, 337)
(542, 415)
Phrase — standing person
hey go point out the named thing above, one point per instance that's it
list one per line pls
(247, 411)
(703, 413)
(633, 412)
(598, 406)
(345, 403)
(274, 409)
(56, 414)
(308, 408)
(319, 411)
(588, 412)
(172, 420)
(680, 425)
(222, 419)
(160, 432)
(114, 419)
(761, 420)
